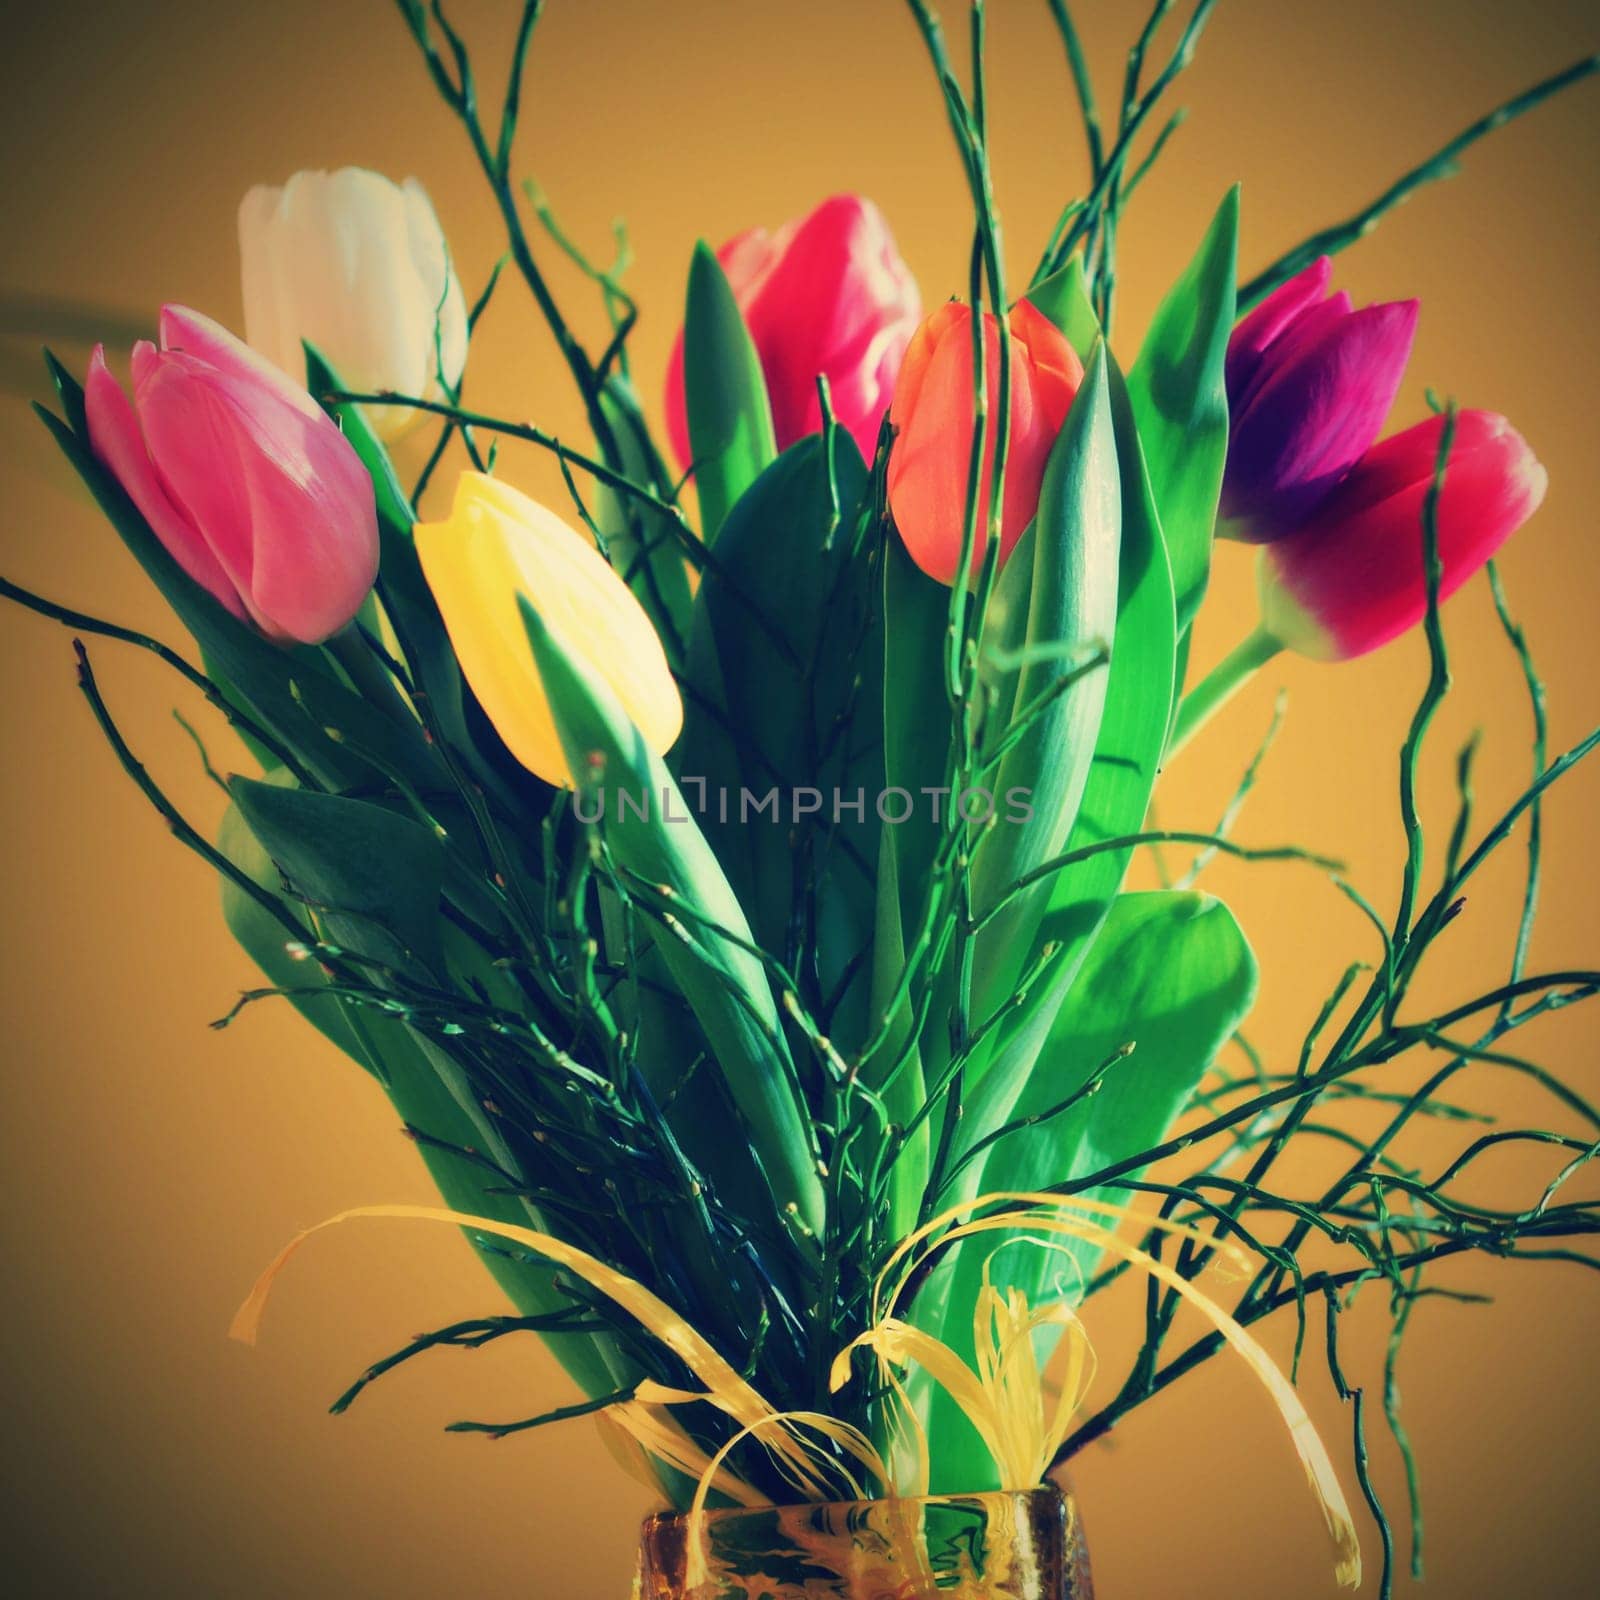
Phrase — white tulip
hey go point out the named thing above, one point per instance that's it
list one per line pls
(356, 265)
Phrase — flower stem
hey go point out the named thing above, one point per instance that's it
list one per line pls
(1219, 685)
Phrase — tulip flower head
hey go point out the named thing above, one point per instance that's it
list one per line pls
(826, 294)
(357, 266)
(496, 544)
(245, 480)
(934, 414)
(1310, 381)
(1352, 578)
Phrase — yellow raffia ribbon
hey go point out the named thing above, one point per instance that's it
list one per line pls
(812, 1472)
(1005, 1398)
(1022, 1415)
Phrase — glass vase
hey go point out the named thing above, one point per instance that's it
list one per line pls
(1008, 1546)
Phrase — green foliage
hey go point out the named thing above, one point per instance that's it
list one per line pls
(782, 694)
(639, 539)
(1168, 974)
(1181, 404)
(1060, 695)
(697, 922)
(425, 1088)
(730, 418)
(1063, 297)
(373, 877)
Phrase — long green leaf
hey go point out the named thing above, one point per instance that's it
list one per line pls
(373, 877)
(422, 1084)
(916, 754)
(651, 834)
(785, 693)
(1170, 974)
(642, 547)
(730, 417)
(1133, 730)
(1181, 404)
(1072, 609)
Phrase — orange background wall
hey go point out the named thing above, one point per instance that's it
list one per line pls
(152, 1166)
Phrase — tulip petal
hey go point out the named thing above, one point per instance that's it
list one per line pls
(357, 266)
(934, 413)
(119, 445)
(441, 288)
(1314, 414)
(1352, 579)
(1284, 306)
(195, 335)
(498, 543)
(285, 504)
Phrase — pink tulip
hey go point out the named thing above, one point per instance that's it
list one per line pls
(826, 294)
(1352, 578)
(933, 416)
(251, 487)
(1310, 381)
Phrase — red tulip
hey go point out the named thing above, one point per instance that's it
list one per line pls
(1310, 381)
(248, 483)
(933, 414)
(1352, 578)
(826, 294)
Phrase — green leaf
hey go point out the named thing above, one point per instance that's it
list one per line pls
(415, 1080)
(664, 849)
(642, 546)
(1169, 973)
(266, 941)
(1063, 297)
(1116, 794)
(730, 417)
(916, 755)
(1072, 609)
(916, 716)
(373, 878)
(1139, 696)
(1181, 404)
(785, 694)
(1133, 731)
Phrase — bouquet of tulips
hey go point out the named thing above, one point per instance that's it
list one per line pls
(722, 874)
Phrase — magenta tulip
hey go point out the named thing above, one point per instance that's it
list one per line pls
(1352, 578)
(249, 485)
(827, 294)
(1310, 381)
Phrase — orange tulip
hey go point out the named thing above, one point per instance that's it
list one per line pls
(933, 415)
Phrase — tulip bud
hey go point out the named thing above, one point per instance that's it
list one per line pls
(1352, 578)
(1310, 381)
(357, 266)
(827, 294)
(249, 485)
(496, 544)
(933, 414)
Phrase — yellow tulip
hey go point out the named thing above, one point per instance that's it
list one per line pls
(497, 543)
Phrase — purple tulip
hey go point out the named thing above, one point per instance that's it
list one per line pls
(245, 480)
(1310, 381)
